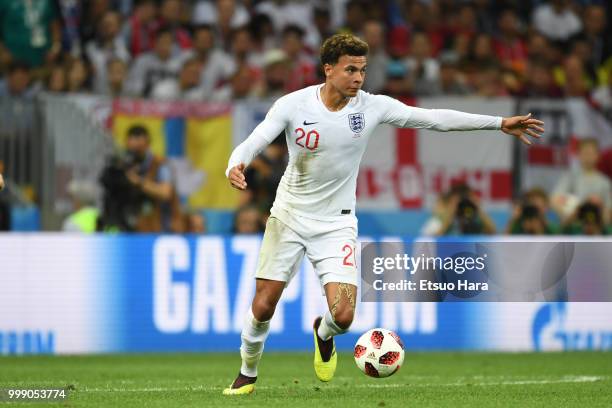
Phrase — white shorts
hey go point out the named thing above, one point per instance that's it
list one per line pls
(329, 246)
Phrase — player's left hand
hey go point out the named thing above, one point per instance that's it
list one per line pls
(522, 127)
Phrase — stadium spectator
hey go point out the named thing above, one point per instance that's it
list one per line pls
(556, 20)
(302, 69)
(275, 72)
(239, 88)
(71, 14)
(116, 74)
(356, 14)
(423, 70)
(18, 116)
(248, 220)
(91, 13)
(452, 81)
(30, 32)
(216, 65)
(286, 13)
(596, 35)
(374, 35)
(195, 222)
(263, 35)
(583, 183)
(487, 82)
(138, 191)
(57, 81)
(223, 15)
(186, 86)
(243, 50)
(170, 17)
(538, 82)
(398, 84)
(482, 52)
(461, 51)
(322, 25)
(84, 218)
(139, 30)
(509, 46)
(18, 83)
(574, 78)
(78, 76)
(539, 47)
(581, 48)
(153, 66)
(107, 45)
(463, 21)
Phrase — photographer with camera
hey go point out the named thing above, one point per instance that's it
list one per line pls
(529, 216)
(464, 214)
(587, 219)
(138, 194)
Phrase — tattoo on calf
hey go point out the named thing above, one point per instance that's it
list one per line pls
(342, 288)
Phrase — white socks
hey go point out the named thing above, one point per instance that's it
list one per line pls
(254, 334)
(328, 328)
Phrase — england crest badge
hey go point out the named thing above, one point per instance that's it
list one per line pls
(356, 122)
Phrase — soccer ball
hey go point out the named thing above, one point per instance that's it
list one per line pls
(379, 353)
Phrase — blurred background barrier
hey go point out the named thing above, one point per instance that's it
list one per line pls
(65, 293)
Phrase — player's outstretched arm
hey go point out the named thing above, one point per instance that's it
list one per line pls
(398, 114)
(523, 127)
(1, 183)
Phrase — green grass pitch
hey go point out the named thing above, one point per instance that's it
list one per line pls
(580, 379)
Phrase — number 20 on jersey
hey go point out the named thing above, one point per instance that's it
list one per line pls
(308, 140)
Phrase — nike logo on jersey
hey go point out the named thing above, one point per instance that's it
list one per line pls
(309, 123)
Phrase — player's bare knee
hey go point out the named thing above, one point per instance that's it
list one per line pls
(263, 308)
(344, 317)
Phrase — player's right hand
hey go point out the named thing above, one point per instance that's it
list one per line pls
(236, 177)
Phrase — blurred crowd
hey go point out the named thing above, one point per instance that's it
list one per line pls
(221, 50)
(229, 50)
(580, 204)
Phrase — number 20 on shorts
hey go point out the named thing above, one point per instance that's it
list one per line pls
(349, 255)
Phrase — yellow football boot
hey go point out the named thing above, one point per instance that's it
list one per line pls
(323, 369)
(245, 389)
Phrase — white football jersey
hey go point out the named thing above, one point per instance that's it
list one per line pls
(325, 147)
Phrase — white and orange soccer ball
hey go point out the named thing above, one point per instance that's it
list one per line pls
(379, 353)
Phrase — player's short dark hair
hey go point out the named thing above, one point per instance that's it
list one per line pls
(342, 44)
(138, 131)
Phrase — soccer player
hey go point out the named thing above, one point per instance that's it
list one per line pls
(327, 129)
